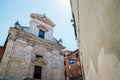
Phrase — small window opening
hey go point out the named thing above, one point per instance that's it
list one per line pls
(39, 56)
(65, 74)
(41, 34)
(77, 55)
(64, 62)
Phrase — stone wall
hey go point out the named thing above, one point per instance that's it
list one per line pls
(19, 59)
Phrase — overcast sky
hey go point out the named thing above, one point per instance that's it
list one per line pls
(58, 11)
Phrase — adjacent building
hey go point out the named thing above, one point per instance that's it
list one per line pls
(97, 30)
(2, 49)
(72, 65)
(32, 53)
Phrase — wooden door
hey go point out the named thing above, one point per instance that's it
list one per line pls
(37, 72)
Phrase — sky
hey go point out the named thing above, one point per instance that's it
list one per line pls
(58, 11)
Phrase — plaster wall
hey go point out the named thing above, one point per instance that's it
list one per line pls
(98, 35)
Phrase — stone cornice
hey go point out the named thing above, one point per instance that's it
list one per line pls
(33, 39)
(39, 17)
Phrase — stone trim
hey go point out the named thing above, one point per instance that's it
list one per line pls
(42, 28)
(39, 17)
(39, 61)
(34, 40)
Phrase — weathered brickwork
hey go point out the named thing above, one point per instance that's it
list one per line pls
(72, 65)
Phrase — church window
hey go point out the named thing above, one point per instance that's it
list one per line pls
(41, 34)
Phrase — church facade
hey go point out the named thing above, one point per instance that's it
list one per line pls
(32, 53)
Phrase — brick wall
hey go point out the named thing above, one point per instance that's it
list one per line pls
(2, 49)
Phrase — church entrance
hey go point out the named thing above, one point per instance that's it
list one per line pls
(37, 72)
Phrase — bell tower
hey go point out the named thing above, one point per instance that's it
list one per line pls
(41, 26)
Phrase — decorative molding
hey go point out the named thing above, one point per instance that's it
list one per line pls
(40, 18)
(49, 49)
(33, 39)
(12, 37)
(42, 28)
